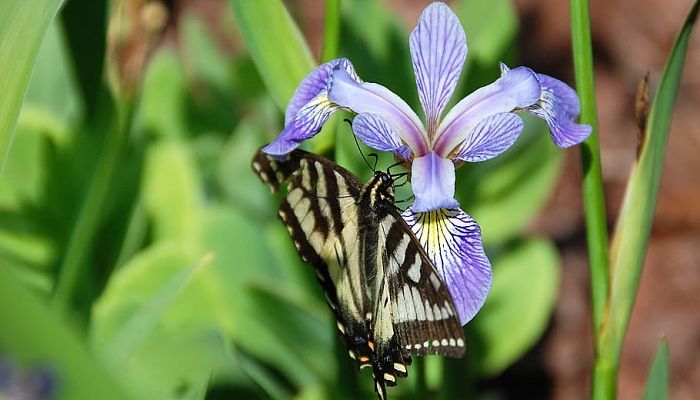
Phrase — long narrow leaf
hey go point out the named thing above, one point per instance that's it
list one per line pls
(22, 28)
(657, 382)
(276, 45)
(636, 216)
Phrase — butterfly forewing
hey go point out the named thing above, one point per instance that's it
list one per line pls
(320, 213)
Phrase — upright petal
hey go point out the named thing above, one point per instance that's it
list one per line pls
(309, 107)
(376, 99)
(491, 137)
(559, 106)
(518, 88)
(438, 50)
(376, 133)
(452, 240)
(433, 183)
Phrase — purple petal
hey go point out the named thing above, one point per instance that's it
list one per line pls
(433, 183)
(558, 105)
(376, 99)
(438, 51)
(452, 240)
(491, 137)
(307, 122)
(309, 108)
(315, 83)
(376, 133)
(518, 88)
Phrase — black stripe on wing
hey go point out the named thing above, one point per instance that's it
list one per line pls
(423, 312)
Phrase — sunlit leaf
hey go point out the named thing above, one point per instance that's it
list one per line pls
(517, 311)
(22, 28)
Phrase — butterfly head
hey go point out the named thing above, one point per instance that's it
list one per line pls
(381, 188)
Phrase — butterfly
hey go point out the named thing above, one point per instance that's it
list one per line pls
(388, 299)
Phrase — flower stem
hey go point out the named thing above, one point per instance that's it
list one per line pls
(331, 31)
(594, 200)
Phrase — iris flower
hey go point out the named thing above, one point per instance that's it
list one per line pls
(479, 127)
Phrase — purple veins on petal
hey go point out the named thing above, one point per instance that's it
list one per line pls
(376, 99)
(452, 240)
(317, 82)
(376, 133)
(518, 88)
(309, 107)
(491, 137)
(438, 51)
(558, 106)
(433, 183)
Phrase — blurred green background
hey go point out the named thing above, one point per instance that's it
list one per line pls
(141, 258)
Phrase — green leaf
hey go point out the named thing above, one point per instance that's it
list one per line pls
(631, 237)
(124, 344)
(22, 28)
(657, 381)
(490, 27)
(170, 190)
(274, 41)
(34, 337)
(517, 311)
(161, 111)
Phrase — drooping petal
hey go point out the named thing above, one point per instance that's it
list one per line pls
(433, 183)
(438, 50)
(316, 82)
(452, 240)
(307, 122)
(376, 99)
(376, 133)
(558, 105)
(309, 107)
(491, 137)
(518, 88)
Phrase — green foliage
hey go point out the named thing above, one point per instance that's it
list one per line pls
(517, 311)
(22, 28)
(657, 382)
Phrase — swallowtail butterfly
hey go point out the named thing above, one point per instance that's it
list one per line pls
(389, 301)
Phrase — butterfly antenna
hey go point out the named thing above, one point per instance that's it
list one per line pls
(359, 149)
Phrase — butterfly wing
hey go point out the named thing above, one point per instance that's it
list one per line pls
(321, 215)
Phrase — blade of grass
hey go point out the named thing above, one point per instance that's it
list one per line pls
(636, 217)
(656, 387)
(594, 200)
(276, 45)
(23, 25)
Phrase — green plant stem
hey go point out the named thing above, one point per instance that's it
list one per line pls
(594, 200)
(87, 223)
(331, 31)
(633, 229)
(421, 391)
